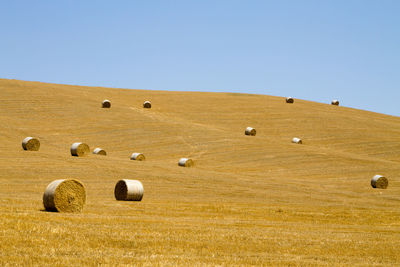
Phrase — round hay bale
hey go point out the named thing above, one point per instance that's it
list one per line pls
(147, 104)
(289, 100)
(79, 149)
(138, 156)
(250, 131)
(185, 162)
(297, 140)
(379, 181)
(128, 190)
(65, 195)
(99, 151)
(31, 144)
(335, 102)
(106, 104)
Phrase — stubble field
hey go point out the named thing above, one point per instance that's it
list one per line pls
(258, 200)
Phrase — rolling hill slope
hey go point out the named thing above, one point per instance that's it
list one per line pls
(248, 201)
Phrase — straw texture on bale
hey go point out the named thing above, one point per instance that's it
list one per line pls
(335, 102)
(128, 190)
(65, 195)
(379, 181)
(79, 149)
(147, 104)
(250, 131)
(31, 144)
(137, 156)
(297, 140)
(106, 104)
(185, 162)
(99, 151)
(289, 100)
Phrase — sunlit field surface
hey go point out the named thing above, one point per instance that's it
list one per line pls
(249, 200)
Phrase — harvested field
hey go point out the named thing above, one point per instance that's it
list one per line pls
(248, 201)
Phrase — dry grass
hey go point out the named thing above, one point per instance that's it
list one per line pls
(248, 201)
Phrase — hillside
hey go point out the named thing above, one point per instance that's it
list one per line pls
(248, 200)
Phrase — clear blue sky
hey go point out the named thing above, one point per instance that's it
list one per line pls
(310, 49)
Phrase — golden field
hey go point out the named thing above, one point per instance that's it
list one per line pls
(258, 200)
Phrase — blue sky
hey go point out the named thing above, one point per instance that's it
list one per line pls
(310, 49)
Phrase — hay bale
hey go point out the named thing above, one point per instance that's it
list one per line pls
(137, 156)
(297, 140)
(250, 131)
(106, 104)
(79, 149)
(185, 162)
(335, 102)
(99, 151)
(289, 100)
(65, 195)
(128, 190)
(379, 181)
(30, 144)
(147, 104)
